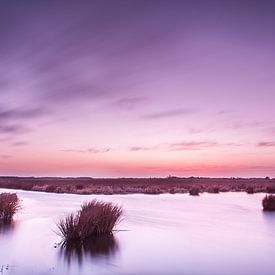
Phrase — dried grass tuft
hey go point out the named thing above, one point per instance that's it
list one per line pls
(93, 219)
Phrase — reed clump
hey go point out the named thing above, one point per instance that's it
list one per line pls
(93, 219)
(269, 203)
(9, 205)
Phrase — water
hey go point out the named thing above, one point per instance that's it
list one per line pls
(224, 233)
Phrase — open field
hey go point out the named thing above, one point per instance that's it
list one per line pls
(109, 186)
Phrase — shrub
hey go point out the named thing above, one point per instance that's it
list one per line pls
(250, 190)
(107, 190)
(50, 188)
(269, 203)
(270, 189)
(38, 188)
(172, 191)
(79, 186)
(213, 190)
(152, 191)
(93, 219)
(194, 191)
(9, 205)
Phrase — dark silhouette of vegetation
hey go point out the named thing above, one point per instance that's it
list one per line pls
(173, 185)
(213, 190)
(250, 190)
(269, 203)
(194, 191)
(50, 189)
(93, 219)
(9, 205)
(270, 189)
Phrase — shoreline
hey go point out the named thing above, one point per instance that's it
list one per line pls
(119, 186)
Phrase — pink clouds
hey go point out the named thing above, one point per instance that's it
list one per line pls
(182, 146)
(89, 151)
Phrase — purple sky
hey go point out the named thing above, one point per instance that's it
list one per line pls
(137, 88)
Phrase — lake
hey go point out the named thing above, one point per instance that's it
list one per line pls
(226, 233)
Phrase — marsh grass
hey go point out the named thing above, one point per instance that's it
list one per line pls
(269, 203)
(93, 219)
(9, 205)
(270, 189)
(250, 190)
(194, 191)
(213, 190)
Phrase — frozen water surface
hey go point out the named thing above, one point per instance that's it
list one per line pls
(226, 233)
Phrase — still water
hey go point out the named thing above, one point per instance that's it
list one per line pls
(225, 233)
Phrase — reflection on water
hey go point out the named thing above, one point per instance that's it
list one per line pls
(268, 219)
(268, 215)
(7, 227)
(105, 245)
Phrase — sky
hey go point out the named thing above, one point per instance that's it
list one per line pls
(133, 88)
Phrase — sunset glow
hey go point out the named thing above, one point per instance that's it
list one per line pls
(137, 88)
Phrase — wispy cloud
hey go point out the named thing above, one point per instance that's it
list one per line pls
(13, 129)
(59, 69)
(87, 151)
(20, 143)
(142, 148)
(224, 112)
(191, 145)
(266, 144)
(14, 121)
(130, 103)
(195, 130)
(245, 125)
(5, 156)
(177, 146)
(20, 113)
(167, 113)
